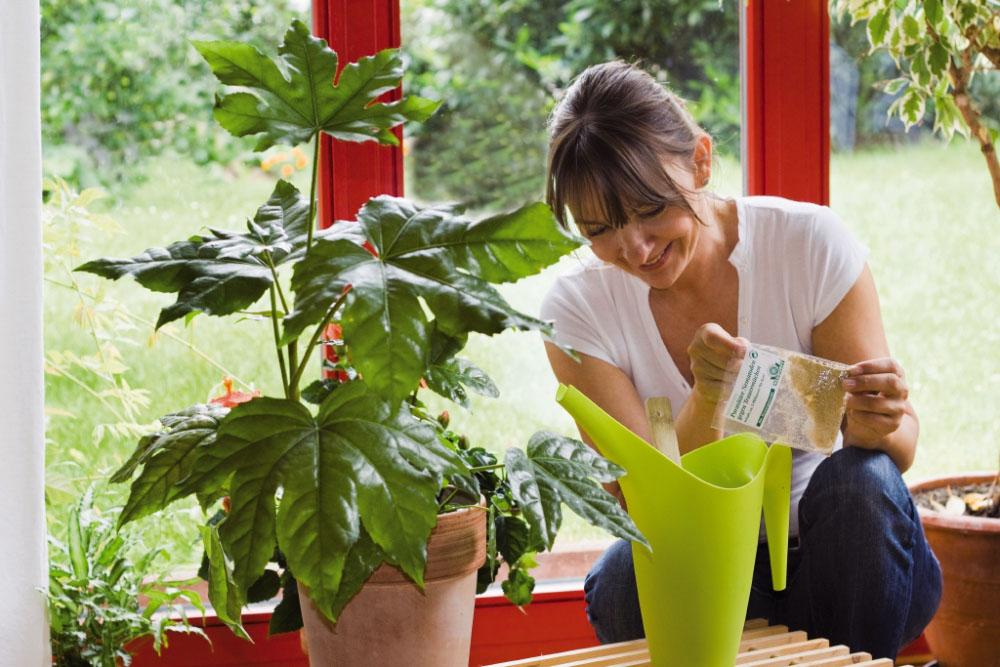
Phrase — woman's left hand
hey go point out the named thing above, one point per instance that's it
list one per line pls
(876, 402)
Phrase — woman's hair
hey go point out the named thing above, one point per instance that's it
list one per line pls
(608, 137)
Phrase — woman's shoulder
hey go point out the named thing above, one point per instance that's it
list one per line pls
(772, 219)
(780, 210)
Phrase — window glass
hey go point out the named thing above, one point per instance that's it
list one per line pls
(499, 68)
(925, 209)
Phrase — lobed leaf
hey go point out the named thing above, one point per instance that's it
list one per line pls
(167, 457)
(426, 258)
(556, 469)
(291, 99)
(222, 273)
(358, 463)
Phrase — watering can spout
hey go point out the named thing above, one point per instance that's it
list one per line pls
(614, 441)
(777, 488)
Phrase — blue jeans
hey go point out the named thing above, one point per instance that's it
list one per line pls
(860, 574)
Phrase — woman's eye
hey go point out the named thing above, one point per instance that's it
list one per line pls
(590, 231)
(650, 212)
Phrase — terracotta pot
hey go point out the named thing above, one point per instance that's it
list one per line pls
(392, 622)
(965, 632)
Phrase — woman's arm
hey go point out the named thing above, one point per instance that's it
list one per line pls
(879, 416)
(607, 386)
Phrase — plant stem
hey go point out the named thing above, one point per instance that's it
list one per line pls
(276, 284)
(291, 386)
(315, 339)
(445, 501)
(495, 466)
(312, 190)
(277, 340)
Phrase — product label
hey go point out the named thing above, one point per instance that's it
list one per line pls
(756, 384)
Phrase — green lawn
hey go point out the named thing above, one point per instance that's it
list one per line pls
(925, 211)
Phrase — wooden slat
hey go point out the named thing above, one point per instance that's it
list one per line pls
(783, 639)
(760, 646)
(800, 657)
(749, 657)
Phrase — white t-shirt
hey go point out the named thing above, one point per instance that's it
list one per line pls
(796, 262)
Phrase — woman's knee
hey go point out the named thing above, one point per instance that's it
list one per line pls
(612, 597)
(860, 492)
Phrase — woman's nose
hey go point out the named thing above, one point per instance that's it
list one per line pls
(635, 244)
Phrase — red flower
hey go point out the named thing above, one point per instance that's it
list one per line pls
(333, 332)
(225, 505)
(233, 398)
(367, 245)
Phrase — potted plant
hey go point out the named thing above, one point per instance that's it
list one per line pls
(96, 591)
(961, 518)
(335, 479)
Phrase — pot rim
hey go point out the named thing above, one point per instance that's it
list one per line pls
(950, 521)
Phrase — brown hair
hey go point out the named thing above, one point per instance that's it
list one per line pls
(608, 137)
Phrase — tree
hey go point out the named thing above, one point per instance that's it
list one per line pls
(948, 52)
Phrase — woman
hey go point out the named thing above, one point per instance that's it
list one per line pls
(681, 281)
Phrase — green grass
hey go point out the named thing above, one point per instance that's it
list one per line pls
(928, 216)
(925, 211)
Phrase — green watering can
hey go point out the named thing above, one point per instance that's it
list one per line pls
(702, 521)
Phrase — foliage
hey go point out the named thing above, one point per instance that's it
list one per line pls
(94, 590)
(943, 45)
(498, 66)
(344, 487)
(98, 375)
(119, 80)
(107, 328)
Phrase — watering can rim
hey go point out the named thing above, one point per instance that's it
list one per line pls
(752, 480)
(563, 389)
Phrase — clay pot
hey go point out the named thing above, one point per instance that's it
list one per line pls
(965, 632)
(392, 622)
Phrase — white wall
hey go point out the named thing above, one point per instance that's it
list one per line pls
(23, 625)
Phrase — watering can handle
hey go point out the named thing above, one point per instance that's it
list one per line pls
(777, 490)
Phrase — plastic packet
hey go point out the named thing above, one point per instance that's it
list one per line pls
(783, 396)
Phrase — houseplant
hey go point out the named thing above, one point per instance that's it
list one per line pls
(95, 590)
(357, 481)
(961, 518)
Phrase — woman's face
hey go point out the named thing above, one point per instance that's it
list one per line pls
(655, 245)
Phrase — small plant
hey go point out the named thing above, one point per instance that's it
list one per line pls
(347, 473)
(95, 589)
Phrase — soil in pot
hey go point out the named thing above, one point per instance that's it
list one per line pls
(965, 499)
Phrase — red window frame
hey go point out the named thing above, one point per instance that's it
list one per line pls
(786, 129)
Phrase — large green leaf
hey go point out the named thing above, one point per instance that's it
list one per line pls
(226, 598)
(359, 462)
(222, 273)
(166, 457)
(293, 98)
(431, 257)
(556, 469)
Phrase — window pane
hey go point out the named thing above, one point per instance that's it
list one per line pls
(925, 209)
(498, 67)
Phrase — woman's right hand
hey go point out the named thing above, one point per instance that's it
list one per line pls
(710, 351)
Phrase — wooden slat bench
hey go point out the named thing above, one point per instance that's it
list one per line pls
(762, 645)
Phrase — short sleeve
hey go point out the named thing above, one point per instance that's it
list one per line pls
(837, 259)
(578, 321)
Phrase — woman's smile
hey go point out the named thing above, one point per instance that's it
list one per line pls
(658, 262)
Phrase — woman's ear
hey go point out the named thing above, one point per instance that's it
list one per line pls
(702, 160)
